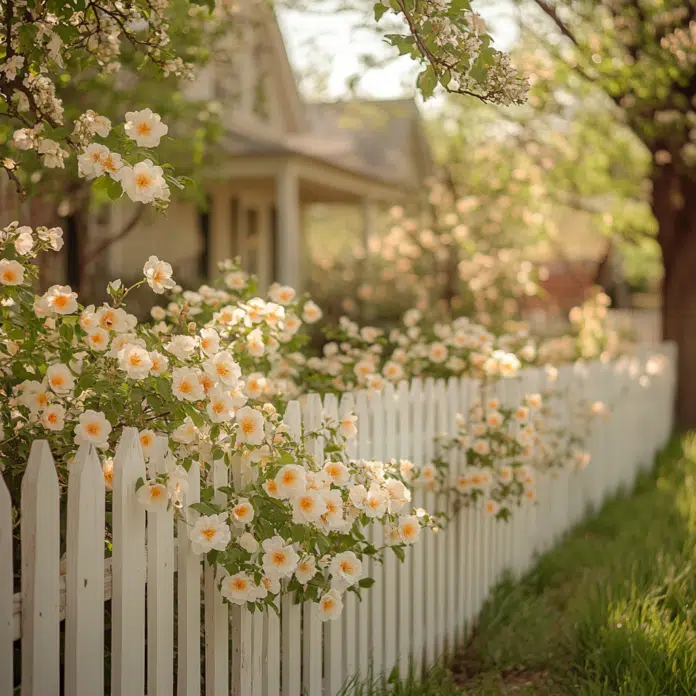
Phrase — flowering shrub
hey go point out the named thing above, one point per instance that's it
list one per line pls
(495, 444)
(74, 375)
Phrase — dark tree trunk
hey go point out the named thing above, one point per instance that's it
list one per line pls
(674, 207)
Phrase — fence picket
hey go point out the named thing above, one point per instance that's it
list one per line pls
(216, 614)
(430, 541)
(417, 560)
(374, 596)
(40, 539)
(6, 591)
(364, 452)
(189, 595)
(452, 537)
(442, 429)
(291, 613)
(160, 587)
(128, 570)
(311, 625)
(391, 562)
(333, 631)
(84, 580)
(350, 609)
(405, 451)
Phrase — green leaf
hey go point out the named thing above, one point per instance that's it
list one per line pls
(427, 81)
(380, 9)
(204, 508)
(366, 582)
(105, 184)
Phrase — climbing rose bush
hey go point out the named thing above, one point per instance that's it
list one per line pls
(286, 521)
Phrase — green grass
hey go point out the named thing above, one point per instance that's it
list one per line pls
(612, 610)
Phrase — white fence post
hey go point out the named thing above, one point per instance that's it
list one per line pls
(40, 540)
(291, 613)
(6, 591)
(84, 597)
(128, 571)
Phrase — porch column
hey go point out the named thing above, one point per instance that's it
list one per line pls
(289, 237)
(369, 213)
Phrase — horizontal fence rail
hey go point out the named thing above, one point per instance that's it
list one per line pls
(153, 608)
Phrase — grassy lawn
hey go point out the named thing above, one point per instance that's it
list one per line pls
(611, 611)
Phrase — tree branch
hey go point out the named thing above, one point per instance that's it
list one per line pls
(107, 243)
(552, 12)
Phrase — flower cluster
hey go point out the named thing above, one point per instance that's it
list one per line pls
(144, 181)
(451, 42)
(494, 448)
(294, 514)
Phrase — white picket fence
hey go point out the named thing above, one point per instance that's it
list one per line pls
(169, 629)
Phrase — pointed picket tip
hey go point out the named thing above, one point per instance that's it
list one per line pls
(293, 419)
(347, 403)
(86, 462)
(331, 407)
(40, 464)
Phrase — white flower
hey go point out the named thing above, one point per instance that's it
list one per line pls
(93, 427)
(290, 481)
(186, 385)
(346, 569)
(98, 339)
(186, 433)
(160, 363)
(358, 496)
(220, 408)
(210, 532)
(533, 400)
(248, 542)
(53, 417)
(53, 235)
(11, 272)
(210, 342)
(409, 529)
(108, 471)
(158, 275)
(330, 606)
(376, 501)
(153, 496)
(222, 366)
(338, 472)
(135, 361)
(306, 569)
(251, 426)
(255, 345)
(91, 163)
(182, 346)
(347, 425)
(53, 154)
(60, 379)
(311, 312)
(177, 484)
(238, 588)
(236, 280)
(333, 517)
(145, 127)
(399, 495)
(147, 442)
(255, 385)
(243, 511)
(308, 507)
(60, 299)
(280, 559)
(282, 294)
(144, 182)
(438, 352)
(24, 241)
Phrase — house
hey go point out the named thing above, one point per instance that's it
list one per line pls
(279, 156)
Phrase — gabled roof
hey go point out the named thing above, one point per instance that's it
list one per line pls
(383, 140)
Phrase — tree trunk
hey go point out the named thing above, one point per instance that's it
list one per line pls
(674, 207)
